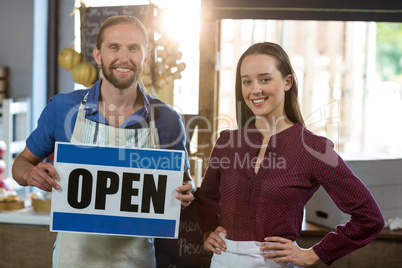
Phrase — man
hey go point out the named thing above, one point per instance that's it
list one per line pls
(115, 111)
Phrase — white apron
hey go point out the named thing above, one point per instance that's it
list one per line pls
(243, 254)
(75, 250)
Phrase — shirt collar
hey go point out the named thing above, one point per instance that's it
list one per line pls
(256, 137)
(92, 101)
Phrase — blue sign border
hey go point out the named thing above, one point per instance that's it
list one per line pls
(120, 157)
(116, 225)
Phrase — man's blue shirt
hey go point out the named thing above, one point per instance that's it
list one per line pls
(57, 120)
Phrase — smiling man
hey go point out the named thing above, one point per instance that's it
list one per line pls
(115, 111)
(125, 42)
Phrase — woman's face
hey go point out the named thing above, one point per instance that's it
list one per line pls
(263, 86)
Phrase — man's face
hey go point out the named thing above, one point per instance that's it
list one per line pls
(122, 56)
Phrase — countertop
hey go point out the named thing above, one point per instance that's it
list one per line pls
(25, 216)
(28, 216)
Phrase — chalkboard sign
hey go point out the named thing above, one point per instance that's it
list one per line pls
(188, 250)
(93, 17)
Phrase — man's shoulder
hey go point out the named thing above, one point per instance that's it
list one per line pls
(161, 108)
(63, 104)
(73, 97)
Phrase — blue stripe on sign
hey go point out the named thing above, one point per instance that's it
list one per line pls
(119, 157)
(103, 224)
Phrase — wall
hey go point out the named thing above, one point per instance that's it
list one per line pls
(39, 72)
(66, 39)
(23, 26)
(16, 41)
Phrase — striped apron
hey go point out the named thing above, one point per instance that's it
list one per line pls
(91, 250)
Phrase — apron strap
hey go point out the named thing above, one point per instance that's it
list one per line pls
(79, 131)
(151, 119)
(80, 128)
(153, 132)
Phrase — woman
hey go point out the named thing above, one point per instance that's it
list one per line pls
(259, 178)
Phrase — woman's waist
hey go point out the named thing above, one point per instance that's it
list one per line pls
(244, 247)
(258, 233)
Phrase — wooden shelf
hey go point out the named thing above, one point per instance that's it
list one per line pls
(309, 228)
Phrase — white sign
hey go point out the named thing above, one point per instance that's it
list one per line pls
(117, 191)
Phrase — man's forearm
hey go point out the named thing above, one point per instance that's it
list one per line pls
(21, 167)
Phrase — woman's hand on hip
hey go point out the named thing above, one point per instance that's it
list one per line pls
(214, 242)
(285, 250)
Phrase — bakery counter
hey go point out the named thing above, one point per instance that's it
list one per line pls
(25, 239)
(25, 216)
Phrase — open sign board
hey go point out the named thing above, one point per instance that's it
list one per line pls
(117, 191)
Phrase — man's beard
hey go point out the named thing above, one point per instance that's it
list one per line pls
(118, 83)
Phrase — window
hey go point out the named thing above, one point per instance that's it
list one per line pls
(349, 75)
(187, 34)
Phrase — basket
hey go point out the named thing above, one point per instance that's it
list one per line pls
(41, 205)
(11, 202)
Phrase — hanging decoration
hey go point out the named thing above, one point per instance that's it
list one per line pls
(83, 73)
(159, 75)
(164, 67)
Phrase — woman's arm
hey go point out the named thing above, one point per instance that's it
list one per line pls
(352, 197)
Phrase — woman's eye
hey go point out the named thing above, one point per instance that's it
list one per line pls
(246, 82)
(265, 80)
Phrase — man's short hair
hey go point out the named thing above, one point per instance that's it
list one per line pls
(119, 20)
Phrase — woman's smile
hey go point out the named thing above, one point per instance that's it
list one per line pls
(259, 101)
